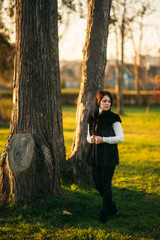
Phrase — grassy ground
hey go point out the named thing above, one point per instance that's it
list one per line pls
(136, 191)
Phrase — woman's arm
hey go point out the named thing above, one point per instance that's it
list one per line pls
(111, 140)
(118, 138)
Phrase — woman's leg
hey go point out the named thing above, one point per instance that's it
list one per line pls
(97, 178)
(106, 178)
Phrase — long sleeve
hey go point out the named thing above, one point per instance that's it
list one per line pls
(118, 138)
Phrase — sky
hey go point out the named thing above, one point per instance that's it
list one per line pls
(71, 44)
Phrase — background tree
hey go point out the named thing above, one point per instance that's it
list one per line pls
(65, 8)
(126, 20)
(118, 18)
(7, 51)
(93, 68)
(1, 19)
(30, 162)
(138, 25)
(113, 22)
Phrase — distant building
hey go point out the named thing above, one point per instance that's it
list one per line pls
(147, 61)
(110, 76)
(148, 70)
(70, 74)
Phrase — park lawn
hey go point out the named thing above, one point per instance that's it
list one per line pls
(136, 190)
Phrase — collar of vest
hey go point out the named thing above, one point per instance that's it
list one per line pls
(108, 116)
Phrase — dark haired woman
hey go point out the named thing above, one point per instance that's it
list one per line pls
(104, 132)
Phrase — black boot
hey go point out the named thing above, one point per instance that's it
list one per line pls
(103, 216)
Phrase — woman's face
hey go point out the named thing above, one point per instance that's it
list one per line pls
(105, 103)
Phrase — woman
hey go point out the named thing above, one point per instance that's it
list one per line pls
(104, 132)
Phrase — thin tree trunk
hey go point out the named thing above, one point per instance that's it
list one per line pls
(139, 58)
(30, 164)
(117, 67)
(136, 79)
(120, 79)
(119, 89)
(93, 68)
(116, 76)
(136, 68)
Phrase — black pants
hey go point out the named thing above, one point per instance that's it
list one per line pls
(102, 177)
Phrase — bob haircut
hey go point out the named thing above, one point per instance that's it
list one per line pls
(99, 97)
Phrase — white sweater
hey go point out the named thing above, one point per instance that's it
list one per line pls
(114, 139)
(118, 138)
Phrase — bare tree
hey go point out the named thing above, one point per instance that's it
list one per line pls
(119, 88)
(93, 68)
(145, 9)
(124, 15)
(117, 65)
(119, 9)
(30, 164)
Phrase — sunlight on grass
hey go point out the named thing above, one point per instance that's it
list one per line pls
(136, 190)
(3, 137)
(68, 126)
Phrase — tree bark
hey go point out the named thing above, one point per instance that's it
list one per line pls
(93, 68)
(30, 164)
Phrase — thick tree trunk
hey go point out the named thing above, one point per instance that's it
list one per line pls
(93, 68)
(30, 164)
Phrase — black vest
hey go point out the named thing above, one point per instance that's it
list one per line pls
(103, 154)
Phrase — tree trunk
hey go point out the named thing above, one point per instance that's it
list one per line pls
(121, 70)
(30, 164)
(93, 68)
(136, 79)
(119, 90)
(117, 77)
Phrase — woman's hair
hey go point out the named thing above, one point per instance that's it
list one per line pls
(99, 97)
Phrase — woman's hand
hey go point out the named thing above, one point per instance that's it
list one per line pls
(92, 138)
(96, 139)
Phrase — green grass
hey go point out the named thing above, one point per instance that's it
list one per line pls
(136, 190)
(6, 108)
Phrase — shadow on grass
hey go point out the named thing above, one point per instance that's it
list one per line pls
(139, 216)
(5, 126)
